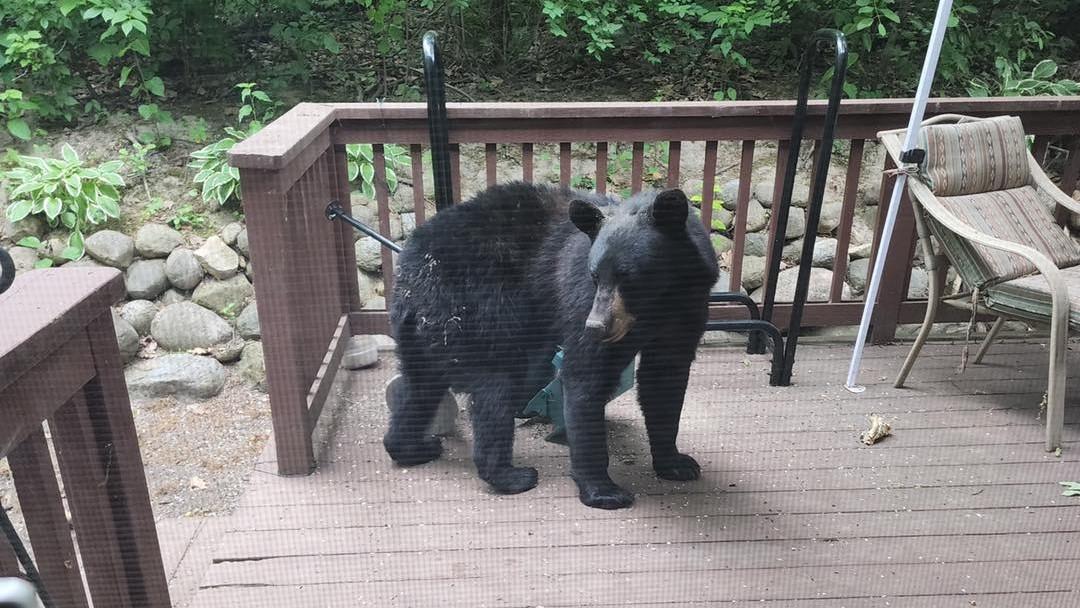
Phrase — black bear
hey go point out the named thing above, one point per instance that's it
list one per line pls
(488, 290)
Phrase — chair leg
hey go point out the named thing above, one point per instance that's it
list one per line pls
(924, 331)
(1055, 392)
(988, 340)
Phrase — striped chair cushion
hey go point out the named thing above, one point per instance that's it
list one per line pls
(974, 157)
(1017, 215)
(1029, 297)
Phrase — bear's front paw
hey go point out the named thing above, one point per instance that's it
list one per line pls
(513, 480)
(417, 451)
(679, 467)
(604, 496)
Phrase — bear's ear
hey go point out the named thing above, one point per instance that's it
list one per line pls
(587, 217)
(669, 210)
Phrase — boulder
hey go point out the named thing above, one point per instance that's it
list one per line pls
(145, 279)
(361, 352)
(824, 252)
(30, 225)
(180, 375)
(172, 296)
(247, 322)
(111, 248)
(368, 254)
(217, 258)
(126, 337)
(242, 243)
(231, 232)
(729, 193)
(186, 325)
(157, 240)
(763, 192)
(252, 365)
(24, 258)
(830, 217)
(183, 269)
(820, 284)
(918, 284)
(225, 297)
(721, 244)
(756, 244)
(753, 272)
(757, 218)
(140, 314)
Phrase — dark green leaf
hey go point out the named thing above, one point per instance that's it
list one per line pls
(18, 128)
(155, 86)
(31, 241)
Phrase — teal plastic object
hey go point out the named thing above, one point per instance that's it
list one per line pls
(549, 401)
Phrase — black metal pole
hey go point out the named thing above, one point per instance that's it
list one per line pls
(7, 270)
(334, 211)
(438, 126)
(757, 325)
(783, 207)
(836, 89)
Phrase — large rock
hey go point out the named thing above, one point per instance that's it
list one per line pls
(756, 217)
(857, 271)
(820, 284)
(824, 252)
(180, 375)
(157, 240)
(126, 337)
(861, 234)
(231, 232)
(172, 296)
(756, 244)
(247, 323)
(242, 243)
(793, 252)
(800, 195)
(763, 192)
(859, 252)
(145, 279)
(30, 225)
(24, 258)
(111, 248)
(217, 258)
(225, 297)
(252, 365)
(830, 217)
(186, 325)
(368, 254)
(140, 314)
(753, 272)
(183, 269)
(53, 249)
(722, 219)
(796, 224)
(729, 193)
(229, 351)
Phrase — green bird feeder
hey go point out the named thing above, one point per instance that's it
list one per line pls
(548, 402)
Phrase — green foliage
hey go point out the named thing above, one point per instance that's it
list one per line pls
(362, 167)
(1072, 488)
(186, 215)
(1013, 82)
(220, 182)
(66, 193)
(12, 109)
(35, 243)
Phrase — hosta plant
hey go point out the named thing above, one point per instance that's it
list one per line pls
(66, 193)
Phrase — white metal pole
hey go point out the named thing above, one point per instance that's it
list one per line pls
(937, 35)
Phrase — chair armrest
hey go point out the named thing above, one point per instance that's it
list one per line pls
(1043, 183)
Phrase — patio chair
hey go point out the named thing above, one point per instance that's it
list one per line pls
(989, 207)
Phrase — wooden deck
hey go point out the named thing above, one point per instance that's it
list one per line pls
(960, 507)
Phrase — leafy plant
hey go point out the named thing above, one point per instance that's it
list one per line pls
(35, 243)
(1072, 488)
(12, 109)
(186, 215)
(362, 166)
(220, 182)
(66, 193)
(1015, 83)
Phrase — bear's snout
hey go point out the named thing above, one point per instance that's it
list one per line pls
(608, 318)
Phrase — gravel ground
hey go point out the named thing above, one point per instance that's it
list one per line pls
(198, 456)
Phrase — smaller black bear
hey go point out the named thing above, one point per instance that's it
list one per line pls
(488, 290)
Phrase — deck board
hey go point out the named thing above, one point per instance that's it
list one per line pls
(960, 507)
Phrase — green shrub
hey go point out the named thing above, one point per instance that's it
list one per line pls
(66, 193)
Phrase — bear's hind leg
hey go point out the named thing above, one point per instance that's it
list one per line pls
(493, 437)
(413, 408)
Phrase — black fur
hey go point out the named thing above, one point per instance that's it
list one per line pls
(489, 289)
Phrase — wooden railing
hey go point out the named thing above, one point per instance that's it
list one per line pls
(305, 266)
(60, 363)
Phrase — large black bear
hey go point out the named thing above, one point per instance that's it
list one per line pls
(488, 290)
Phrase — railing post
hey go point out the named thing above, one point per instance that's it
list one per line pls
(276, 279)
(897, 269)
